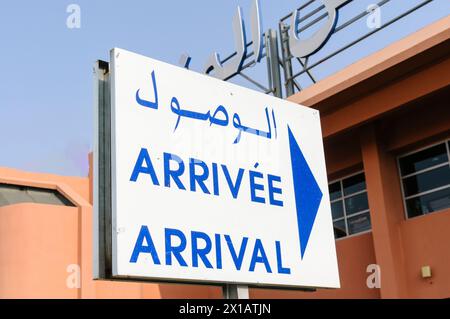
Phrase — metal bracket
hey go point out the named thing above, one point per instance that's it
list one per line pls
(235, 292)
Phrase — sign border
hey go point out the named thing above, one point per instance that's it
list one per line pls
(102, 196)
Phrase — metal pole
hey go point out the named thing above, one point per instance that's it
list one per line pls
(102, 168)
(273, 68)
(286, 59)
(232, 291)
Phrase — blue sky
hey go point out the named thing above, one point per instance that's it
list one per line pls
(46, 86)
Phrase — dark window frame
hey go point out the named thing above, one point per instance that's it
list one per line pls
(342, 199)
(405, 198)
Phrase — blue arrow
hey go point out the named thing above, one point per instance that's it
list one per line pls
(307, 193)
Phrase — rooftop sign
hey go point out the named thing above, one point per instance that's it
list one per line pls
(212, 182)
(299, 48)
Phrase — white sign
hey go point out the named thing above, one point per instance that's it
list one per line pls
(213, 182)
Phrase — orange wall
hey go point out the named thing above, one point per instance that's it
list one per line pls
(418, 124)
(425, 242)
(37, 244)
(342, 155)
(175, 291)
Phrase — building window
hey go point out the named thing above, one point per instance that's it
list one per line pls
(14, 194)
(349, 205)
(425, 177)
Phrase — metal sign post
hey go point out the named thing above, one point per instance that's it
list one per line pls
(232, 291)
(273, 60)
